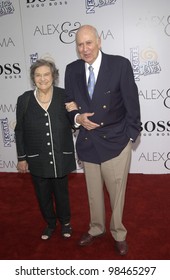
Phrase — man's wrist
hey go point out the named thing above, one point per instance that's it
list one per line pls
(76, 124)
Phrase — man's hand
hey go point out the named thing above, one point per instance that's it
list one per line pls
(85, 122)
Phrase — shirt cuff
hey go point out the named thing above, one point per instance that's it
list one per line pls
(75, 123)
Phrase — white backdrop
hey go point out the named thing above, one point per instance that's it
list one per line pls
(139, 30)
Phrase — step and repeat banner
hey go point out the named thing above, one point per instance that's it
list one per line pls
(138, 30)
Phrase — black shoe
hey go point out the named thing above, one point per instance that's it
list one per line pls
(47, 233)
(88, 239)
(66, 230)
(121, 247)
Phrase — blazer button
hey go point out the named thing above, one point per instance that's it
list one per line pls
(104, 136)
(101, 123)
(104, 106)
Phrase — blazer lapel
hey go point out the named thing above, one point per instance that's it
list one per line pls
(81, 78)
(103, 77)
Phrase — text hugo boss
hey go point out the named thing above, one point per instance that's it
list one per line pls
(159, 126)
(9, 69)
(41, 1)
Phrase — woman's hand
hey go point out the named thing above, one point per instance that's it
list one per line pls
(22, 166)
(71, 106)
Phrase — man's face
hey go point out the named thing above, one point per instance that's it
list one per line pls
(88, 44)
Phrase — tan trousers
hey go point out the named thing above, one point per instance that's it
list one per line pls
(114, 174)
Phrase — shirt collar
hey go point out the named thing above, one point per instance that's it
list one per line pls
(96, 63)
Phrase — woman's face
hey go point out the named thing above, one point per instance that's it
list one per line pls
(43, 78)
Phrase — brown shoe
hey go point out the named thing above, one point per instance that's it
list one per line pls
(121, 247)
(88, 239)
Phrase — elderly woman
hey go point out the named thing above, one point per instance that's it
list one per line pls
(45, 145)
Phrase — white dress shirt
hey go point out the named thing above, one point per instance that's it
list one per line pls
(96, 67)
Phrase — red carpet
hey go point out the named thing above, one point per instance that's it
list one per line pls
(146, 216)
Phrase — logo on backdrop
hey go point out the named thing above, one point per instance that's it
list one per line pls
(6, 8)
(144, 63)
(6, 42)
(159, 128)
(7, 164)
(10, 70)
(45, 3)
(152, 21)
(92, 4)
(8, 135)
(156, 95)
(167, 99)
(167, 26)
(66, 31)
(154, 157)
(33, 58)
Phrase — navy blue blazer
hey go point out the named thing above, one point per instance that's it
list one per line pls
(115, 104)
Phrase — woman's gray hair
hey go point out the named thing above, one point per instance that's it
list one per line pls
(44, 62)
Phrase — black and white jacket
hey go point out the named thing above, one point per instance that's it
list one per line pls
(44, 137)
